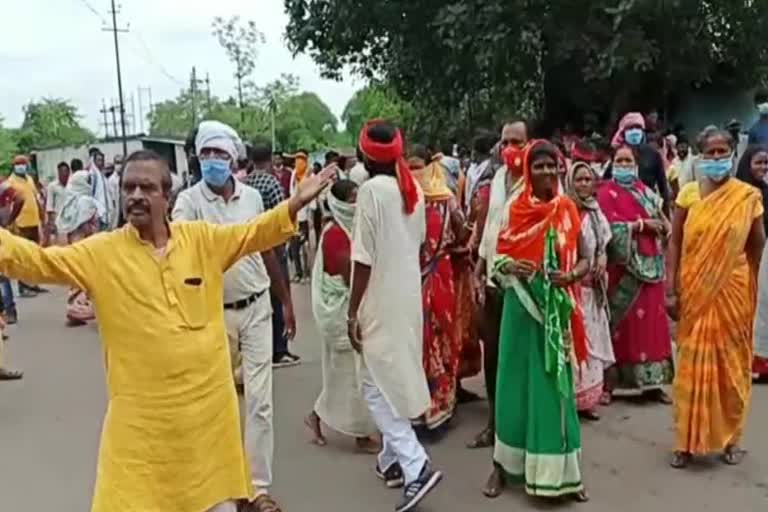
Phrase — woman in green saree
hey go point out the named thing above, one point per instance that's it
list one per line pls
(539, 265)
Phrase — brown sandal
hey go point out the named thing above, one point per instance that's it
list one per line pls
(264, 503)
(11, 374)
(484, 439)
(733, 455)
(680, 460)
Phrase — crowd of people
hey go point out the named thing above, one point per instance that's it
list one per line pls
(567, 271)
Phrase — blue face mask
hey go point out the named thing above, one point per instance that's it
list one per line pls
(634, 136)
(624, 175)
(215, 172)
(716, 170)
(20, 170)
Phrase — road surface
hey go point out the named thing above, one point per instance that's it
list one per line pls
(50, 424)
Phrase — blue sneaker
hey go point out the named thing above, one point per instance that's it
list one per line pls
(419, 488)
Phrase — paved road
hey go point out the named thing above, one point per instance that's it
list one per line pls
(50, 423)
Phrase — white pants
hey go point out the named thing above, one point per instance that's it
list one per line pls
(227, 506)
(250, 329)
(399, 440)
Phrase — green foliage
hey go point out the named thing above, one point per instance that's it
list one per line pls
(464, 64)
(241, 43)
(51, 122)
(8, 146)
(376, 101)
(301, 119)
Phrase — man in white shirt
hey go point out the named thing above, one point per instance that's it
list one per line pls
(54, 199)
(220, 199)
(506, 187)
(385, 318)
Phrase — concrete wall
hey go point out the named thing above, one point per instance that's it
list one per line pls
(48, 159)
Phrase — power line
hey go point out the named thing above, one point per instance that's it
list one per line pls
(94, 11)
(154, 61)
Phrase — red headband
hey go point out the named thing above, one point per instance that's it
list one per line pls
(392, 152)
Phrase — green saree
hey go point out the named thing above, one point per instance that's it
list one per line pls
(538, 440)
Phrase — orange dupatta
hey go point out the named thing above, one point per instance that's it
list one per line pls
(524, 239)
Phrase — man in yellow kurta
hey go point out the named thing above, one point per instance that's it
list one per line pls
(171, 437)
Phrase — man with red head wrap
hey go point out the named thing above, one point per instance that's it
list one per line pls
(385, 317)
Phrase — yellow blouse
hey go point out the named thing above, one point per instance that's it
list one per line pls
(688, 195)
(171, 438)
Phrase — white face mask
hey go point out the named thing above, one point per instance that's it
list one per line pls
(21, 170)
(762, 108)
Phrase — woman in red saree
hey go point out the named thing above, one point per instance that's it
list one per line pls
(639, 323)
(442, 343)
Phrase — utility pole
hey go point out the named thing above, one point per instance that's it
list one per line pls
(272, 108)
(115, 31)
(133, 115)
(141, 113)
(113, 109)
(104, 111)
(193, 92)
(208, 90)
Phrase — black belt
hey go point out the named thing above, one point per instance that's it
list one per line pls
(244, 303)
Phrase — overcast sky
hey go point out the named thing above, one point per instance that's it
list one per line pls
(62, 52)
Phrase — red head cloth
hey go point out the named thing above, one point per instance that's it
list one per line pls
(20, 160)
(392, 153)
(581, 155)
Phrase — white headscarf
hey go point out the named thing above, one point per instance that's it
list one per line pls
(343, 213)
(79, 205)
(216, 135)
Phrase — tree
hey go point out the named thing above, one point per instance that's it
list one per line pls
(241, 42)
(8, 146)
(301, 119)
(51, 122)
(377, 100)
(470, 63)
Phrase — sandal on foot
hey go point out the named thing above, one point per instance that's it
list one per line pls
(606, 398)
(590, 415)
(581, 496)
(494, 487)
(484, 439)
(680, 460)
(11, 374)
(733, 455)
(264, 503)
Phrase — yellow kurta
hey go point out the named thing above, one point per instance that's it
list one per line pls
(29, 216)
(171, 437)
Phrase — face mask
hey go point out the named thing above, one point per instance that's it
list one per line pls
(21, 170)
(215, 172)
(513, 158)
(634, 136)
(624, 175)
(763, 109)
(716, 170)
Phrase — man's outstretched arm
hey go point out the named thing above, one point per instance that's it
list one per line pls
(26, 261)
(269, 229)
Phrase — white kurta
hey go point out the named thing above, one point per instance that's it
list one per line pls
(390, 314)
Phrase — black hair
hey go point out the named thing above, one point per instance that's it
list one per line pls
(483, 142)
(383, 132)
(359, 154)
(761, 96)
(147, 155)
(544, 149)
(331, 157)
(316, 167)
(420, 151)
(76, 165)
(744, 171)
(62, 164)
(260, 154)
(343, 189)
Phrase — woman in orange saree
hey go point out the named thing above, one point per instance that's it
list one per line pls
(712, 290)
(441, 338)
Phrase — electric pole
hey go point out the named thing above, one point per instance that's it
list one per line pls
(115, 31)
(193, 91)
(113, 109)
(103, 112)
(208, 90)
